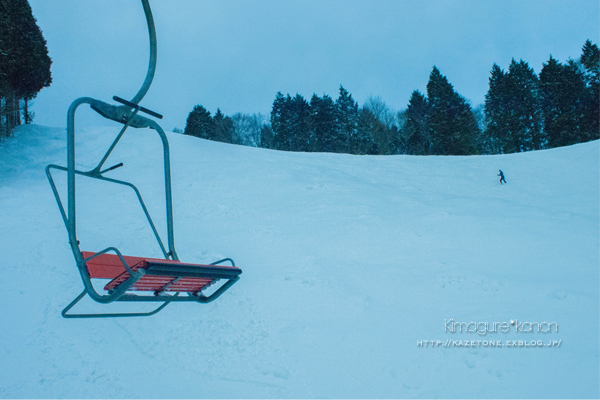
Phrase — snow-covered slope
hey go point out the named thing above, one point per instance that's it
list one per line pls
(349, 263)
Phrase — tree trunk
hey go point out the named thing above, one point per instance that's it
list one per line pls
(9, 115)
(2, 117)
(17, 110)
(26, 112)
(13, 114)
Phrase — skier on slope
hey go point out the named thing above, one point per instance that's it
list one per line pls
(501, 175)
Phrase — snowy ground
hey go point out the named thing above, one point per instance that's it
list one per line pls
(349, 262)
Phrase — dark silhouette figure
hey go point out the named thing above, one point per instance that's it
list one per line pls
(501, 175)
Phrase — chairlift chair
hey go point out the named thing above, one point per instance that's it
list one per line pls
(163, 280)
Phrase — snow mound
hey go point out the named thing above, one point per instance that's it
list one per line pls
(350, 264)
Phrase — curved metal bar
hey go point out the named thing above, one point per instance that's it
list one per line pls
(119, 291)
(102, 178)
(107, 315)
(168, 197)
(106, 250)
(152, 63)
(225, 259)
(56, 194)
(71, 223)
(71, 217)
(207, 299)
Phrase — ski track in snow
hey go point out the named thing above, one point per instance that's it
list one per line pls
(348, 261)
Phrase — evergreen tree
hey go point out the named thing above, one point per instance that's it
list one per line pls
(452, 126)
(400, 144)
(590, 59)
(563, 95)
(483, 142)
(512, 109)
(324, 124)
(290, 122)
(223, 129)
(524, 120)
(414, 130)
(301, 138)
(347, 117)
(576, 100)
(496, 109)
(199, 123)
(267, 137)
(281, 122)
(24, 60)
(364, 141)
(394, 139)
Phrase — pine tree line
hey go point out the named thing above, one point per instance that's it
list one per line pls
(522, 112)
(24, 63)
(441, 123)
(244, 129)
(559, 107)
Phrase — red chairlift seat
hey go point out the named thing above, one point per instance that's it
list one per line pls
(159, 275)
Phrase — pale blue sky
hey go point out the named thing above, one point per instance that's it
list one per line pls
(236, 54)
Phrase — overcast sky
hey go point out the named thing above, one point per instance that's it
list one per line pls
(236, 54)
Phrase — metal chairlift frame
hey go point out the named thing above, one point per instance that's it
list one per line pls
(127, 114)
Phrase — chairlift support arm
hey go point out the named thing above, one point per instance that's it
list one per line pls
(127, 114)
